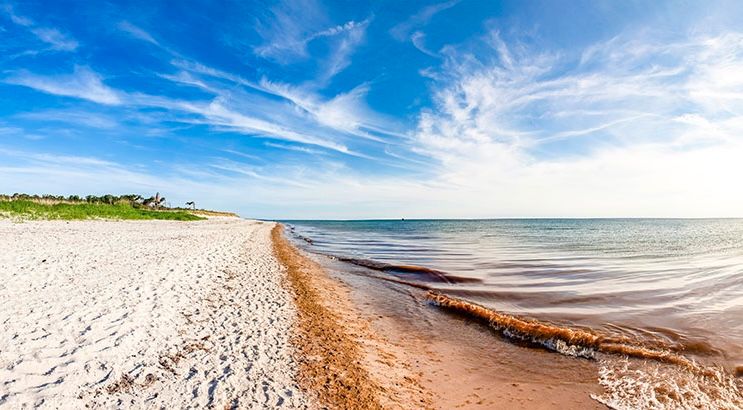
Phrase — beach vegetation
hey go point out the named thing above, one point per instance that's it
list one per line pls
(132, 206)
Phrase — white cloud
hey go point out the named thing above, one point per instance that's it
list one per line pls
(293, 24)
(287, 29)
(308, 120)
(79, 117)
(201, 69)
(301, 110)
(54, 159)
(52, 36)
(219, 114)
(228, 114)
(242, 154)
(82, 83)
(340, 58)
(186, 78)
(297, 148)
(659, 128)
(402, 30)
(345, 112)
(343, 40)
(15, 18)
(419, 41)
(409, 29)
(136, 32)
(56, 39)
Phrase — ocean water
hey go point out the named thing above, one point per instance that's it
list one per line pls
(672, 288)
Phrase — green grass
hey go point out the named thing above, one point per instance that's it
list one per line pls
(32, 210)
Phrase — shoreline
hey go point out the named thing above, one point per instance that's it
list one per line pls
(454, 363)
(343, 363)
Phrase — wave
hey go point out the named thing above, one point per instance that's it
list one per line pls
(662, 379)
(574, 342)
(420, 272)
(632, 385)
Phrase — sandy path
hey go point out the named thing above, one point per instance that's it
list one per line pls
(144, 314)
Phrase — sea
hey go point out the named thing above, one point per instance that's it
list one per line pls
(658, 302)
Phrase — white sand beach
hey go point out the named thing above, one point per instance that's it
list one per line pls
(144, 314)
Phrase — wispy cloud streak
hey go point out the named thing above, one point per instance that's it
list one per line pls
(402, 30)
(136, 32)
(56, 40)
(82, 83)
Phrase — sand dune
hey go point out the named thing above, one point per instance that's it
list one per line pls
(144, 314)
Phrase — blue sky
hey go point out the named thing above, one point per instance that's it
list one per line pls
(309, 109)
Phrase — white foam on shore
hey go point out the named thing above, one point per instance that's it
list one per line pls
(634, 384)
(144, 314)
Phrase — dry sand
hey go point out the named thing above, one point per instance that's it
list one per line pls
(144, 314)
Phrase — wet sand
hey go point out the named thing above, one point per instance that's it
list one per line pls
(344, 363)
(450, 362)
